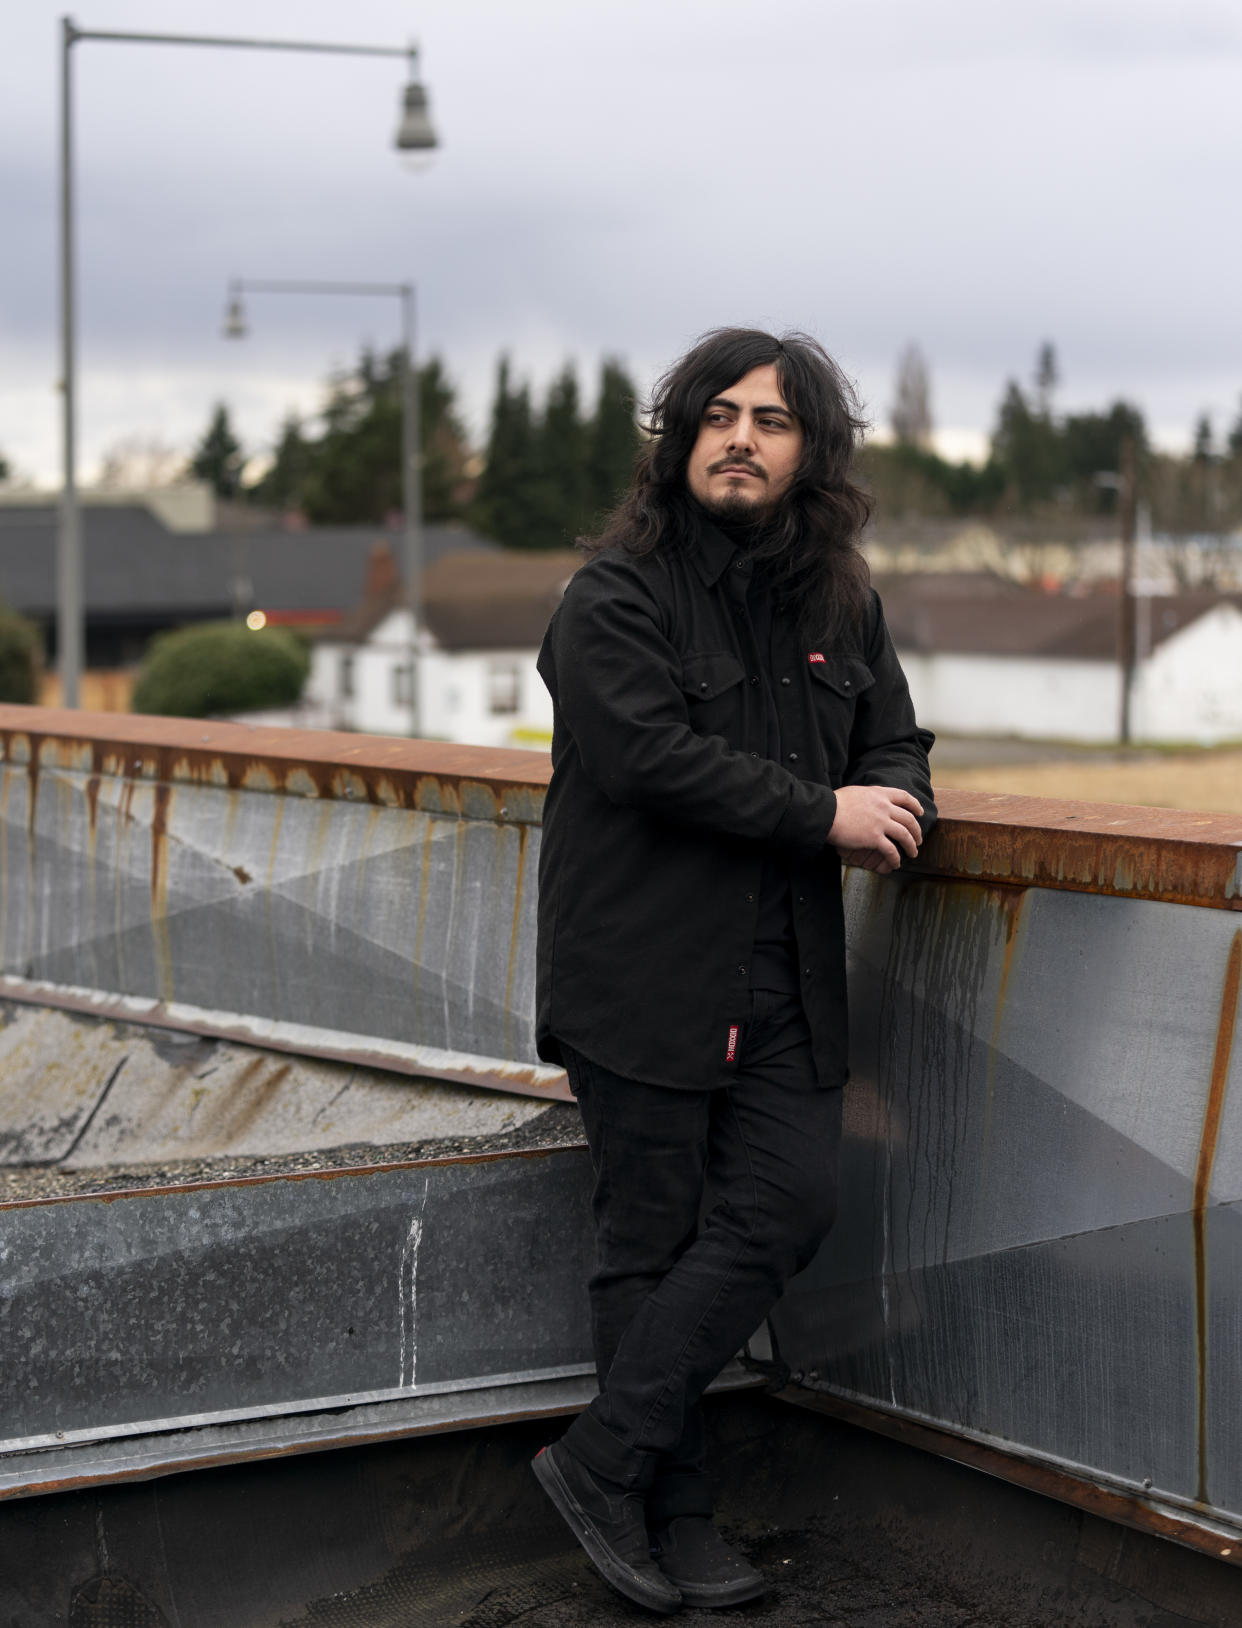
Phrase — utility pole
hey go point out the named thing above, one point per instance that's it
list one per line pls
(1127, 502)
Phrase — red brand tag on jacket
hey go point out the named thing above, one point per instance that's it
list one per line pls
(816, 655)
(731, 1049)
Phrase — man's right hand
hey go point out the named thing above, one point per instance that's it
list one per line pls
(875, 825)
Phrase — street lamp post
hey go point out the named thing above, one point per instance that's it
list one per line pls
(414, 134)
(411, 452)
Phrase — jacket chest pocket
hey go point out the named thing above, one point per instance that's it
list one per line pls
(836, 684)
(712, 686)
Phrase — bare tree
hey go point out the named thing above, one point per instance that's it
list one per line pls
(911, 415)
(136, 463)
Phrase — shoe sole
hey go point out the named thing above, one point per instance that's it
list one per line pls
(708, 1599)
(613, 1571)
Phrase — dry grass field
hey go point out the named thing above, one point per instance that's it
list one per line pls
(1209, 781)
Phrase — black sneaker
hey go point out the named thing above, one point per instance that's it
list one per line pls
(701, 1566)
(610, 1526)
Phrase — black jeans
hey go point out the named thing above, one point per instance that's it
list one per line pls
(673, 1296)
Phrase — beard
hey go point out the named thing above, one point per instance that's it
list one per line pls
(738, 509)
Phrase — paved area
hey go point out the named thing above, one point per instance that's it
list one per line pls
(819, 1581)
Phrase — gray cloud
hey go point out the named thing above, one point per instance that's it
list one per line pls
(618, 176)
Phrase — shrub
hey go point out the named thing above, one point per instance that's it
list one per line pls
(221, 667)
(20, 658)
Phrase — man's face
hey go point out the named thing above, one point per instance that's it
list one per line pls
(747, 450)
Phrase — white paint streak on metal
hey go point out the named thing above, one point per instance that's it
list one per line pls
(408, 1290)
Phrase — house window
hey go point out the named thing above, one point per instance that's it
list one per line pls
(402, 689)
(345, 678)
(504, 687)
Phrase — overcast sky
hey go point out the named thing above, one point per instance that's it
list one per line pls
(617, 176)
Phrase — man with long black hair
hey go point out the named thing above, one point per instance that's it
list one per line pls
(730, 723)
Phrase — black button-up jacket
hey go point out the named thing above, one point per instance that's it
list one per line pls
(662, 807)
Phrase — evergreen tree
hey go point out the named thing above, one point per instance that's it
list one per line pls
(563, 501)
(4, 467)
(284, 484)
(1235, 436)
(218, 457)
(1091, 446)
(613, 439)
(507, 504)
(353, 472)
(1204, 451)
(1047, 377)
(1027, 447)
(443, 439)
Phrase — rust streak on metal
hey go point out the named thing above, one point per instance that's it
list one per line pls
(514, 937)
(424, 879)
(92, 806)
(1145, 1515)
(159, 840)
(1208, 1140)
(1011, 902)
(32, 784)
(161, 943)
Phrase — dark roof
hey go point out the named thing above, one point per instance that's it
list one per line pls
(501, 601)
(135, 566)
(475, 601)
(1027, 623)
(931, 533)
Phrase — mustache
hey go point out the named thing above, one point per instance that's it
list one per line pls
(722, 464)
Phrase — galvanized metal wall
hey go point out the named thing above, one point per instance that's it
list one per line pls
(1039, 1251)
(1040, 1243)
(259, 889)
(149, 1330)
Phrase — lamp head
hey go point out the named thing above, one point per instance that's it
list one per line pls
(415, 133)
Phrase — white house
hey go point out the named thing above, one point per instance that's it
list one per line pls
(485, 616)
(1007, 661)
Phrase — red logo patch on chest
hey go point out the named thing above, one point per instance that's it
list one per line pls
(816, 655)
(731, 1048)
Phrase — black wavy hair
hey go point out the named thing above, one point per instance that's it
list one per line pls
(811, 539)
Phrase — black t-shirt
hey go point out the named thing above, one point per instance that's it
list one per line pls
(774, 959)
